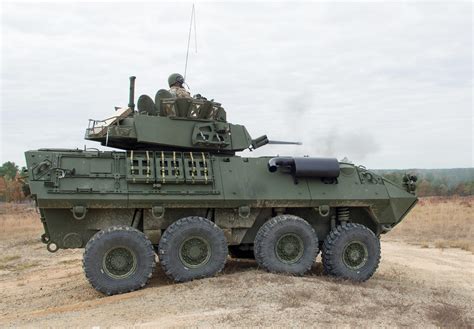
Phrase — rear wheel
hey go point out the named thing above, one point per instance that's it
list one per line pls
(286, 244)
(351, 251)
(119, 259)
(191, 248)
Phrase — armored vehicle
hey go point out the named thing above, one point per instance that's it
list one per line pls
(176, 188)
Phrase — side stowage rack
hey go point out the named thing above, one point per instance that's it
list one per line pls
(198, 169)
(168, 167)
(140, 166)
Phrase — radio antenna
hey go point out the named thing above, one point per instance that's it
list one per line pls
(192, 20)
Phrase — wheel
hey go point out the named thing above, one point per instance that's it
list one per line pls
(119, 259)
(191, 248)
(239, 252)
(286, 244)
(351, 251)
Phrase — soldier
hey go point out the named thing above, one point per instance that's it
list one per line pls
(175, 82)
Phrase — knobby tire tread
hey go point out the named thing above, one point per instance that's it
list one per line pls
(99, 236)
(329, 248)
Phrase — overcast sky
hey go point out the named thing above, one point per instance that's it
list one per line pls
(388, 85)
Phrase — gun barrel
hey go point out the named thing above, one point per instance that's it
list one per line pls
(284, 142)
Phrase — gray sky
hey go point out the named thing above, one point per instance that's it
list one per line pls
(389, 85)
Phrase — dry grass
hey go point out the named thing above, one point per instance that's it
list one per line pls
(26, 265)
(15, 263)
(18, 219)
(294, 299)
(449, 316)
(6, 261)
(440, 223)
(69, 261)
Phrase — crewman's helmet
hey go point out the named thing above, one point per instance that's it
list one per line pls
(175, 78)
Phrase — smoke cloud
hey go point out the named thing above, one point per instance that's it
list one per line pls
(355, 145)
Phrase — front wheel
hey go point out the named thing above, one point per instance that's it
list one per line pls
(351, 251)
(119, 259)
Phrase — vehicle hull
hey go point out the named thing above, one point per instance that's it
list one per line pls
(81, 192)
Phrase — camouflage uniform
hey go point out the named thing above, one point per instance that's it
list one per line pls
(179, 92)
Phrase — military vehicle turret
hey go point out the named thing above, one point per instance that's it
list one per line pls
(177, 188)
(168, 123)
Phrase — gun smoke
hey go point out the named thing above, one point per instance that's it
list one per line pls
(355, 145)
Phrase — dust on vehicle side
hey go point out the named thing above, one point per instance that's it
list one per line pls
(177, 188)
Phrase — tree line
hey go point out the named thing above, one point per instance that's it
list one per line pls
(436, 182)
(11, 182)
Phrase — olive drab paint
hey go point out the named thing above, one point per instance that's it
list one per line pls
(176, 158)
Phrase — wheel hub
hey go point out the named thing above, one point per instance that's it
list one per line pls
(289, 248)
(355, 255)
(119, 262)
(195, 252)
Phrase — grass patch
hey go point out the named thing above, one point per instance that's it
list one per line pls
(25, 266)
(439, 222)
(18, 266)
(7, 259)
(294, 299)
(18, 219)
(446, 315)
(461, 244)
(69, 261)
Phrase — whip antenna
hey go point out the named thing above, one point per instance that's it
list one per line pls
(192, 20)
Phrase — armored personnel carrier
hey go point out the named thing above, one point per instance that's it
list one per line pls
(176, 188)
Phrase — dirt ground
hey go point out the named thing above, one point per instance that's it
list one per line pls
(415, 286)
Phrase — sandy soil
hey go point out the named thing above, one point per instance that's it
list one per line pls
(414, 286)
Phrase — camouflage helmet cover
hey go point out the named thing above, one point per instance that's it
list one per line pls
(174, 78)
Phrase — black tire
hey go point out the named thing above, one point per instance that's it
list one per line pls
(192, 248)
(238, 252)
(118, 259)
(286, 244)
(352, 252)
